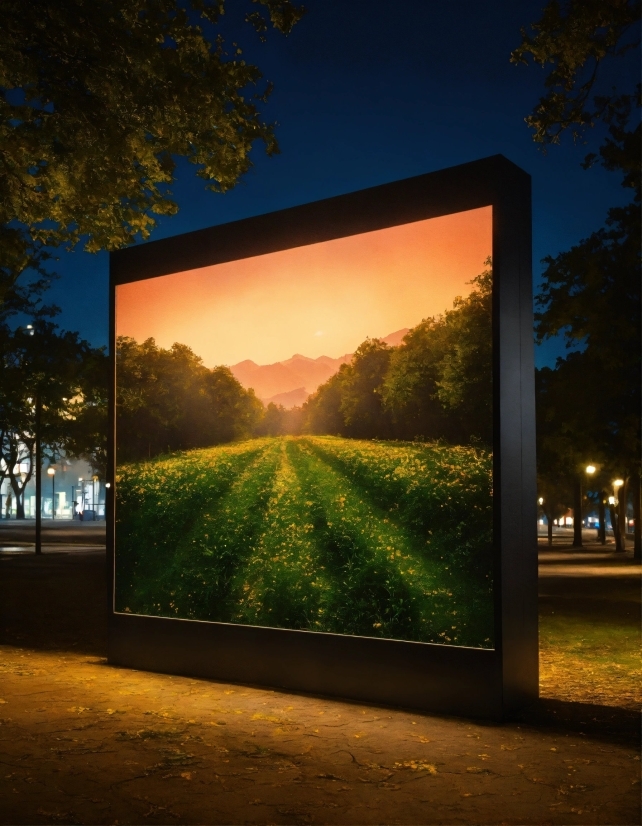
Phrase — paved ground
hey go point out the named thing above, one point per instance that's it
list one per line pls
(22, 533)
(82, 742)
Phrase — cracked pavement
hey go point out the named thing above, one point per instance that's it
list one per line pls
(84, 742)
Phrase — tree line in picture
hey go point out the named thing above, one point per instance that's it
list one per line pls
(436, 385)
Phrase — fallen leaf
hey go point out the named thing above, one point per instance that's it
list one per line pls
(417, 765)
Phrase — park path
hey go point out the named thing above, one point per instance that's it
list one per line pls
(82, 742)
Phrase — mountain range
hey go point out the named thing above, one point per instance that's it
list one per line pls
(290, 382)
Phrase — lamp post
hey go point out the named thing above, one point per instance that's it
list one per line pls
(38, 451)
(30, 331)
(51, 471)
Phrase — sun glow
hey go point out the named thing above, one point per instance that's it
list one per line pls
(320, 299)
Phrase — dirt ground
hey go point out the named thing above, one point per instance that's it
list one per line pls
(83, 742)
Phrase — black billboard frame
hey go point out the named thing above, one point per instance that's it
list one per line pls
(448, 679)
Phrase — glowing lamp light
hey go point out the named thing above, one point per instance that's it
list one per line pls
(590, 469)
(617, 483)
(107, 484)
(51, 471)
(540, 501)
(611, 500)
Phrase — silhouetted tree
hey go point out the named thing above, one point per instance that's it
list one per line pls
(48, 374)
(168, 400)
(99, 99)
(591, 294)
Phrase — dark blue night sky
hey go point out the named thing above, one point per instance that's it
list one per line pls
(367, 92)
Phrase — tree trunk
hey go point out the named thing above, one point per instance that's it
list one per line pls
(616, 529)
(637, 527)
(19, 495)
(621, 516)
(549, 529)
(601, 513)
(577, 514)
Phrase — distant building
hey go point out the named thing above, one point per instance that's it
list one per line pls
(72, 482)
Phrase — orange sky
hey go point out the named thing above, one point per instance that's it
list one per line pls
(321, 299)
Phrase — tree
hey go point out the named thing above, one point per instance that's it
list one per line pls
(350, 403)
(591, 294)
(410, 390)
(362, 407)
(465, 384)
(168, 400)
(99, 98)
(279, 421)
(48, 378)
(566, 441)
(439, 384)
(576, 40)
(322, 410)
(233, 411)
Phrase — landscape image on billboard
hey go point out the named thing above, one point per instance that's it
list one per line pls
(304, 438)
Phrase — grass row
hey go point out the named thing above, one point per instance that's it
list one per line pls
(319, 534)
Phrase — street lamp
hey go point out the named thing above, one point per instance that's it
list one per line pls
(51, 471)
(590, 469)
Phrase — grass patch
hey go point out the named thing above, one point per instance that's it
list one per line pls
(590, 659)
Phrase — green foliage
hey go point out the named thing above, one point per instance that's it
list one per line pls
(98, 99)
(436, 384)
(590, 405)
(361, 406)
(325, 534)
(410, 389)
(322, 411)
(167, 400)
(574, 39)
(465, 384)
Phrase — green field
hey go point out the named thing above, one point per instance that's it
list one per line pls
(378, 539)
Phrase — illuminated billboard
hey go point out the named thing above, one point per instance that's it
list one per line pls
(306, 433)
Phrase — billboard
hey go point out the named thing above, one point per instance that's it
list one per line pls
(307, 432)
